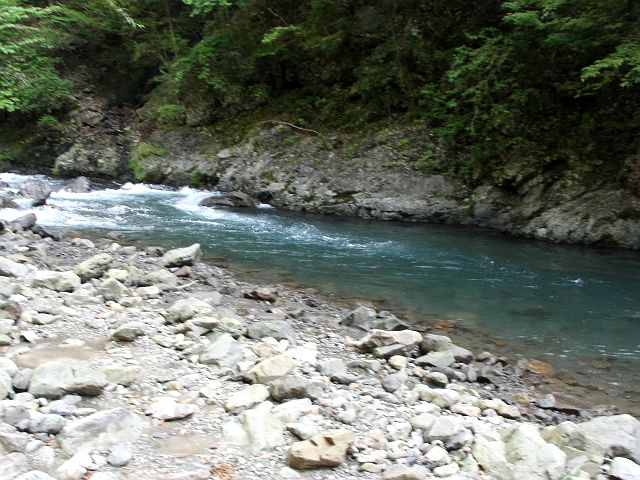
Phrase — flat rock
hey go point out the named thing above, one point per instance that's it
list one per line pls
(327, 449)
(179, 257)
(58, 281)
(101, 430)
(167, 408)
(9, 268)
(57, 378)
(278, 329)
(246, 398)
(255, 428)
(271, 369)
(624, 469)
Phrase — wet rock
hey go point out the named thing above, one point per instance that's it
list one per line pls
(38, 191)
(58, 281)
(78, 185)
(278, 329)
(230, 200)
(246, 398)
(271, 369)
(182, 256)
(9, 268)
(327, 449)
(57, 378)
(101, 430)
(167, 408)
(93, 267)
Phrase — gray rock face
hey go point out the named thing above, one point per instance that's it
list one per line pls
(13, 465)
(278, 329)
(57, 378)
(93, 267)
(182, 256)
(58, 281)
(23, 223)
(102, 430)
(9, 268)
(366, 318)
(49, 423)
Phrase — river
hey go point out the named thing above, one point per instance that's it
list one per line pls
(577, 308)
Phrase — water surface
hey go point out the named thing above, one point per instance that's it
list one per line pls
(578, 308)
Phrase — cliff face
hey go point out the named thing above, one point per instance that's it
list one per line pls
(388, 176)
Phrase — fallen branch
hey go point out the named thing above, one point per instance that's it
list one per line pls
(300, 129)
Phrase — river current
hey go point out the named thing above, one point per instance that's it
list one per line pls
(576, 308)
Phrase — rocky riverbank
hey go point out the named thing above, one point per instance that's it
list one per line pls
(122, 362)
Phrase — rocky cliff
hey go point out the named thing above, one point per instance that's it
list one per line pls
(398, 174)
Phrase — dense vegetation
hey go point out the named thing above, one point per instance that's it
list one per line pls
(555, 82)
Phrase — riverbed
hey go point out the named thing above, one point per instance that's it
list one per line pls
(576, 308)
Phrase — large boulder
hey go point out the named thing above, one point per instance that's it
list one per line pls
(38, 191)
(180, 257)
(619, 434)
(230, 200)
(93, 267)
(326, 449)
(366, 318)
(57, 378)
(23, 223)
(519, 452)
(58, 281)
(101, 430)
(385, 344)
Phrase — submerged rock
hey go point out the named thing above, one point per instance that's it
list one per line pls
(230, 200)
(78, 185)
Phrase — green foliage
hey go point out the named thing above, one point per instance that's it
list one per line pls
(139, 155)
(170, 115)
(48, 122)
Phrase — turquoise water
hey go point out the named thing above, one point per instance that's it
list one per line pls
(577, 308)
